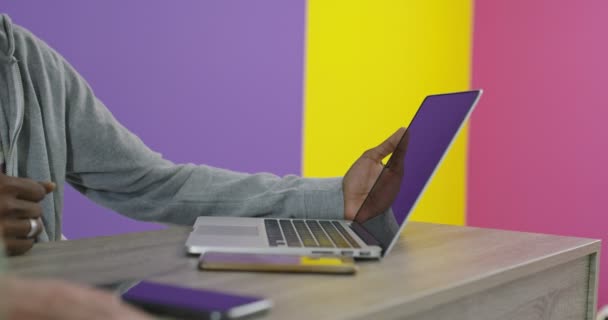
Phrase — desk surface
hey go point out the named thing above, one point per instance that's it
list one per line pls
(430, 266)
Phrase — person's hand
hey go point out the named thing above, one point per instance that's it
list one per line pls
(50, 299)
(361, 176)
(19, 203)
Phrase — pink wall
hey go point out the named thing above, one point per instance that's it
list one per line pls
(539, 138)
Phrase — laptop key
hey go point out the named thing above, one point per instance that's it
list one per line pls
(318, 233)
(290, 234)
(307, 239)
(346, 235)
(273, 232)
(335, 236)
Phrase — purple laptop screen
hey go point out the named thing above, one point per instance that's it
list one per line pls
(412, 164)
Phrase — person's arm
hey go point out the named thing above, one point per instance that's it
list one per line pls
(42, 299)
(113, 167)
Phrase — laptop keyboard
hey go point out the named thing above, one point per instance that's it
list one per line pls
(289, 232)
(308, 233)
(308, 240)
(319, 234)
(345, 234)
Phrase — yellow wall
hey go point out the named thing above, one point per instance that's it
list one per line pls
(369, 65)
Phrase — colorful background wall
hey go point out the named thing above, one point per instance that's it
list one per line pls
(538, 156)
(306, 86)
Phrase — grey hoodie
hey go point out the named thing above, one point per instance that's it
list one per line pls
(53, 128)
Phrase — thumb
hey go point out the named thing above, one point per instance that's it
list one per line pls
(48, 186)
(388, 146)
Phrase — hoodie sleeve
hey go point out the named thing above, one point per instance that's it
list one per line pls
(113, 167)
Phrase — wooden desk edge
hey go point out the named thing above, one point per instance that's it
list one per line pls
(427, 300)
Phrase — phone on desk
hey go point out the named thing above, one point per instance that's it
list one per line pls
(237, 261)
(188, 303)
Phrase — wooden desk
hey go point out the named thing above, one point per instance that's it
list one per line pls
(435, 272)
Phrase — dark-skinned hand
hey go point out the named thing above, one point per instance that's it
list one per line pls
(19, 202)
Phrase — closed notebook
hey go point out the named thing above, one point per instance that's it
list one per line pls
(276, 263)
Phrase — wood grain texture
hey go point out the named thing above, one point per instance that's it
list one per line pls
(432, 266)
(557, 293)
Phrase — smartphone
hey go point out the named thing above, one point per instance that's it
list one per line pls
(189, 303)
(276, 263)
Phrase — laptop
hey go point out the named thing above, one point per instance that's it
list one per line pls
(384, 212)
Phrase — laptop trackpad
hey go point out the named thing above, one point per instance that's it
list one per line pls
(229, 231)
(227, 236)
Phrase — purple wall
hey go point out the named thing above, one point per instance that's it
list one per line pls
(211, 82)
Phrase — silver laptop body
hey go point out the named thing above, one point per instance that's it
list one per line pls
(269, 235)
(378, 222)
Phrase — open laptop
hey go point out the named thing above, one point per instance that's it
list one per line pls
(382, 215)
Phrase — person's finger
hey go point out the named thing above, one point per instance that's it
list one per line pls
(386, 147)
(17, 228)
(48, 186)
(22, 209)
(25, 188)
(16, 246)
(20, 228)
(397, 160)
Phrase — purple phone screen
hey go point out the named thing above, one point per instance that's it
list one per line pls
(194, 299)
